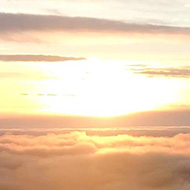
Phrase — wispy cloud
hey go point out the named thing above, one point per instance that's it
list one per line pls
(12, 23)
(37, 58)
(178, 72)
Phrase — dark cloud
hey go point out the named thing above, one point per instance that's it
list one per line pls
(11, 23)
(179, 72)
(37, 58)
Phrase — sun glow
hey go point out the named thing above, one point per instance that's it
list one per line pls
(100, 88)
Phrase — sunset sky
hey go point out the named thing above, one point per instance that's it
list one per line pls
(94, 95)
(94, 58)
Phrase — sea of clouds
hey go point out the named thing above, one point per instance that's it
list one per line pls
(88, 159)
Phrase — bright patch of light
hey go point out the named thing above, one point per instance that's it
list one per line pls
(102, 88)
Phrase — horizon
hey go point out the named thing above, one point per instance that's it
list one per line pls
(94, 95)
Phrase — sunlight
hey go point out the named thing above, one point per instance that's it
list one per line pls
(101, 88)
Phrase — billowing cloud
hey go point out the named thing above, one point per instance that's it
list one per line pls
(75, 160)
(13, 23)
(37, 58)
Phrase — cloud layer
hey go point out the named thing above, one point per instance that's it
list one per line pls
(173, 117)
(11, 23)
(37, 58)
(75, 160)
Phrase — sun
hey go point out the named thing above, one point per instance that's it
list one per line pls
(92, 87)
(100, 88)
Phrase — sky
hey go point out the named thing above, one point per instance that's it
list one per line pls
(94, 58)
(94, 94)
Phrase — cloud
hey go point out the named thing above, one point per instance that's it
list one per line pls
(178, 72)
(147, 118)
(152, 131)
(15, 23)
(37, 58)
(75, 160)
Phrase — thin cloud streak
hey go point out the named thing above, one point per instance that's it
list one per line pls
(37, 58)
(13, 23)
(178, 72)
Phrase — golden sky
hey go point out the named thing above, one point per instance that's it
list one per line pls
(94, 94)
(94, 61)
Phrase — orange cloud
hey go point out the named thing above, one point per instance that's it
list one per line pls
(75, 160)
